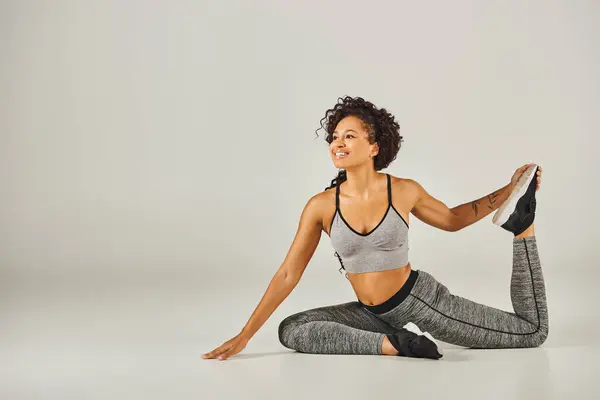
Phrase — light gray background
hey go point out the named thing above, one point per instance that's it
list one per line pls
(155, 157)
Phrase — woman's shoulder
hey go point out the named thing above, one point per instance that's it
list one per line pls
(402, 180)
(324, 199)
(404, 186)
(399, 180)
(318, 206)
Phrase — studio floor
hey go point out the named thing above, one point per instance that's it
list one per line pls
(117, 336)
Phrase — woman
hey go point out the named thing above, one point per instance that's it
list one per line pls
(396, 301)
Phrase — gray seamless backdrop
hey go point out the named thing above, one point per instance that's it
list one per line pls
(143, 135)
(153, 144)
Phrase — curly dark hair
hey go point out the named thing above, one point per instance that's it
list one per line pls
(379, 123)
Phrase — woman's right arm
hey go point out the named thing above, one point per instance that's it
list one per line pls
(284, 281)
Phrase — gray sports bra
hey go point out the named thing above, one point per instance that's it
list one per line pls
(385, 247)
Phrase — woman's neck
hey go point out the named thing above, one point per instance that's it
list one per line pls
(362, 183)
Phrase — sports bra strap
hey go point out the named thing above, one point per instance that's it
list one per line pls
(337, 195)
(389, 185)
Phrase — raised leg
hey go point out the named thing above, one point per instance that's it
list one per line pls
(457, 320)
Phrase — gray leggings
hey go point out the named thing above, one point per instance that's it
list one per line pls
(353, 328)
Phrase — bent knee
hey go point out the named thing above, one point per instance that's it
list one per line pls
(285, 331)
(536, 339)
(540, 337)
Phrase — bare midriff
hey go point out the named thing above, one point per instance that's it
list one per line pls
(373, 288)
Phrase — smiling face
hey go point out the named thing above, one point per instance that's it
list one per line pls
(351, 137)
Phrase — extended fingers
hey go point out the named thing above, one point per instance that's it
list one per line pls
(226, 354)
(216, 352)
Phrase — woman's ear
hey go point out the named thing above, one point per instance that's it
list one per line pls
(376, 149)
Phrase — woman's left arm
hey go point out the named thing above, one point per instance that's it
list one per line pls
(435, 213)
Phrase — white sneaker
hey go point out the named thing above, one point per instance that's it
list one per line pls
(518, 211)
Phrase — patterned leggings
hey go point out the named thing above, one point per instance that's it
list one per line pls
(353, 328)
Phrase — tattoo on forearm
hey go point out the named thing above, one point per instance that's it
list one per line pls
(492, 198)
(475, 205)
